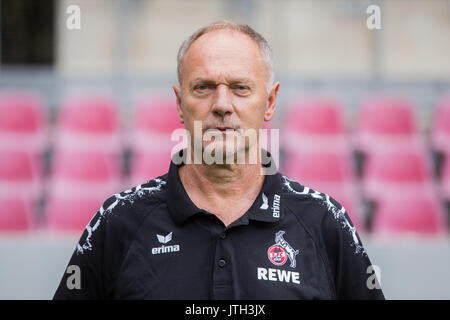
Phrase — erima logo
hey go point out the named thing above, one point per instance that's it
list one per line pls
(165, 249)
(265, 204)
(275, 207)
(164, 239)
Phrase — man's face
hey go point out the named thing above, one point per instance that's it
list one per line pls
(224, 85)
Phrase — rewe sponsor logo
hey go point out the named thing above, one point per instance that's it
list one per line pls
(163, 248)
(271, 274)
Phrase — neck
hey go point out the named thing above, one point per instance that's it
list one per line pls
(226, 190)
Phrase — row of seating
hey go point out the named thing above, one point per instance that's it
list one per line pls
(24, 123)
(87, 162)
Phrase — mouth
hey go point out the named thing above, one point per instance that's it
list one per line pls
(222, 128)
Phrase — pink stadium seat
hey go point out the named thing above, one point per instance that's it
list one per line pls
(440, 128)
(318, 166)
(387, 172)
(386, 123)
(71, 214)
(94, 174)
(15, 215)
(157, 115)
(314, 123)
(148, 165)
(315, 116)
(89, 114)
(88, 123)
(417, 214)
(22, 122)
(154, 120)
(20, 174)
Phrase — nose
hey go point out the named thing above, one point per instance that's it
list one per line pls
(222, 104)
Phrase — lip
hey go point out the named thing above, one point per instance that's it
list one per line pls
(222, 128)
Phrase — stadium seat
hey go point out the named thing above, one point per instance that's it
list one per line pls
(386, 123)
(88, 123)
(95, 174)
(154, 119)
(314, 124)
(418, 214)
(440, 127)
(319, 166)
(16, 214)
(387, 173)
(20, 174)
(148, 165)
(70, 214)
(22, 122)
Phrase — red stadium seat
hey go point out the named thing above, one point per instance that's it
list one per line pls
(388, 172)
(318, 166)
(20, 174)
(22, 122)
(314, 123)
(88, 123)
(16, 214)
(386, 123)
(440, 128)
(418, 213)
(94, 174)
(154, 120)
(70, 214)
(148, 165)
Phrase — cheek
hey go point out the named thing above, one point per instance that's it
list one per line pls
(252, 111)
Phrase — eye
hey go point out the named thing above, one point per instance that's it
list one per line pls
(202, 88)
(241, 89)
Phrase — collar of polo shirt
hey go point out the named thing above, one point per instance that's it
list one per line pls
(182, 208)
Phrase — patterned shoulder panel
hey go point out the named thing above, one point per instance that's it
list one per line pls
(337, 210)
(119, 199)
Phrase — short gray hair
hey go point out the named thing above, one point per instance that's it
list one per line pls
(264, 47)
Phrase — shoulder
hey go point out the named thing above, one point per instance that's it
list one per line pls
(123, 212)
(320, 213)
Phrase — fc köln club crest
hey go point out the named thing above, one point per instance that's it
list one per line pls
(281, 251)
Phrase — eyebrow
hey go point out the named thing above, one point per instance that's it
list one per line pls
(212, 82)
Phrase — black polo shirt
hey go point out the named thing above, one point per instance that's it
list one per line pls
(153, 242)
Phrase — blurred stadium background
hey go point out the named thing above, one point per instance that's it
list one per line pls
(364, 115)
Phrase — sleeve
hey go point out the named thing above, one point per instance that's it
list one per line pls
(353, 273)
(83, 277)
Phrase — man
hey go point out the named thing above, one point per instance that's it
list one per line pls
(221, 229)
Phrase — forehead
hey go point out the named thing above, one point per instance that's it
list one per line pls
(223, 53)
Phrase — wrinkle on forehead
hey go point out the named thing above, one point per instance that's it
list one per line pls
(224, 54)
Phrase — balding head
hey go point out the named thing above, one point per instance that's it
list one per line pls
(262, 44)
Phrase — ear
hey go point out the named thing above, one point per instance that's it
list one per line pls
(177, 92)
(271, 102)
